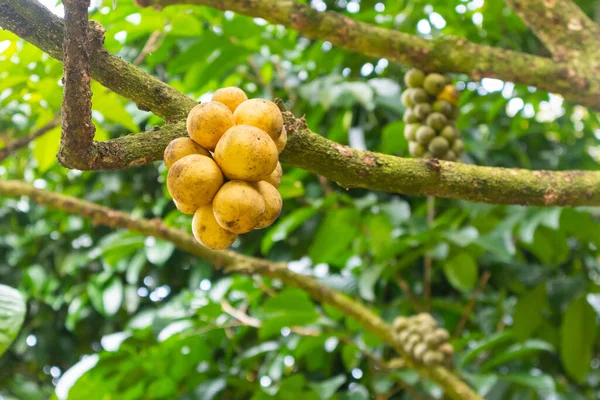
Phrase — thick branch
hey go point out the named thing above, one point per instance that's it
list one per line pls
(448, 54)
(33, 22)
(561, 25)
(234, 262)
(20, 143)
(78, 130)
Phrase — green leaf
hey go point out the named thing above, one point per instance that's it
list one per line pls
(518, 352)
(112, 296)
(162, 388)
(45, 149)
(462, 271)
(544, 384)
(528, 314)
(326, 389)
(281, 230)
(158, 251)
(577, 334)
(368, 279)
(334, 236)
(12, 315)
(209, 389)
(290, 307)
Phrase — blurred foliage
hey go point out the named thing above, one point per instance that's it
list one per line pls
(147, 321)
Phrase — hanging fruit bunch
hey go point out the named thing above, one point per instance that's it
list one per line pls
(421, 338)
(227, 171)
(431, 112)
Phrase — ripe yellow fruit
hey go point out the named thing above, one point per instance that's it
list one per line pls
(275, 177)
(194, 180)
(184, 208)
(207, 122)
(238, 207)
(281, 141)
(262, 114)
(181, 147)
(273, 203)
(449, 94)
(231, 96)
(247, 153)
(208, 232)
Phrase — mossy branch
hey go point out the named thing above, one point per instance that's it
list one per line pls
(238, 263)
(22, 142)
(445, 54)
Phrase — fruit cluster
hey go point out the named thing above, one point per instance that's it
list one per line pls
(227, 171)
(420, 338)
(430, 116)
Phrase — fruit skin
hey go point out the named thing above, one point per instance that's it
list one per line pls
(449, 132)
(414, 78)
(181, 147)
(434, 83)
(443, 107)
(410, 131)
(208, 232)
(438, 146)
(281, 141)
(416, 149)
(437, 121)
(275, 177)
(273, 204)
(427, 155)
(238, 207)
(247, 153)
(262, 114)
(418, 95)
(194, 180)
(184, 208)
(422, 110)
(207, 122)
(450, 94)
(450, 156)
(458, 147)
(406, 98)
(425, 134)
(410, 117)
(231, 96)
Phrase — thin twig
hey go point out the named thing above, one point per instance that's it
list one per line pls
(20, 143)
(152, 44)
(404, 285)
(469, 308)
(428, 261)
(240, 315)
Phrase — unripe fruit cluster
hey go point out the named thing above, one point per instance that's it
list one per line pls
(421, 338)
(226, 173)
(430, 116)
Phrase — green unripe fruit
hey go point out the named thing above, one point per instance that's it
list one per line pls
(407, 98)
(442, 335)
(410, 131)
(442, 106)
(425, 134)
(416, 149)
(450, 156)
(427, 155)
(424, 317)
(455, 113)
(437, 121)
(422, 110)
(418, 95)
(457, 147)
(414, 78)
(438, 146)
(402, 336)
(409, 116)
(446, 349)
(449, 132)
(400, 323)
(434, 83)
(432, 358)
(419, 351)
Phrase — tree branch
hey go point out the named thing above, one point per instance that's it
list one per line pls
(20, 143)
(561, 25)
(444, 54)
(239, 263)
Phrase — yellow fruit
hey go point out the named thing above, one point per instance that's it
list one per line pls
(194, 180)
(281, 141)
(230, 96)
(275, 177)
(181, 147)
(208, 232)
(207, 122)
(238, 207)
(262, 114)
(247, 153)
(273, 203)
(449, 94)
(184, 208)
